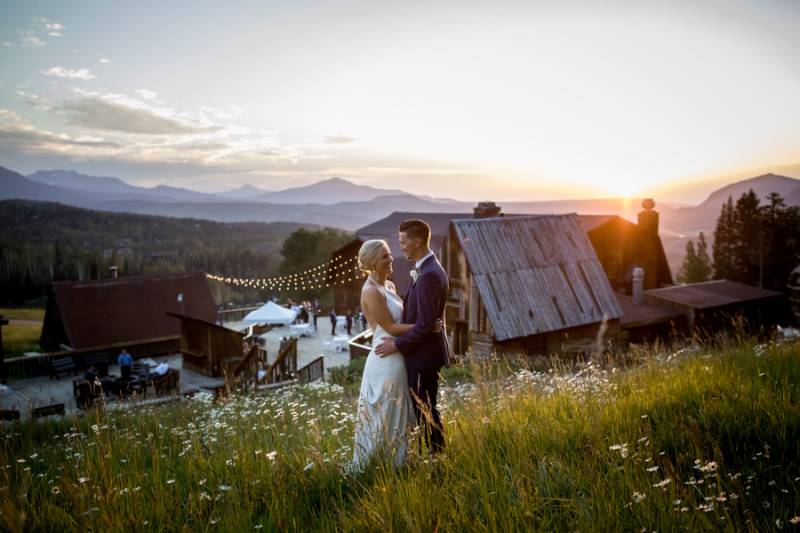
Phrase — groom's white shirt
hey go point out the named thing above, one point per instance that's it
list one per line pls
(419, 263)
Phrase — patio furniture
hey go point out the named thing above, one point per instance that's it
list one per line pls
(339, 343)
(99, 361)
(167, 383)
(300, 330)
(62, 365)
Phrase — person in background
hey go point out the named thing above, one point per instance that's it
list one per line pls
(125, 362)
(333, 322)
(349, 322)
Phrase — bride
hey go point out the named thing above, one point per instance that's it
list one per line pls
(384, 403)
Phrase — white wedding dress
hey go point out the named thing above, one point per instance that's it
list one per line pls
(384, 403)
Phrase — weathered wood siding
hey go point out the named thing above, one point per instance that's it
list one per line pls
(532, 275)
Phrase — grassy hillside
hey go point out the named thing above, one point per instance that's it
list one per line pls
(691, 440)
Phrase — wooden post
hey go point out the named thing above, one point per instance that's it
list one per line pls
(3, 322)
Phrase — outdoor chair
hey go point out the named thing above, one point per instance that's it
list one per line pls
(62, 365)
(166, 383)
(99, 361)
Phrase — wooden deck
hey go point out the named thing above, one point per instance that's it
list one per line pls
(27, 394)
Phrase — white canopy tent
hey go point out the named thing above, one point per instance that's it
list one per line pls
(270, 313)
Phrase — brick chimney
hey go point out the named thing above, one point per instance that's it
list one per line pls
(487, 210)
(648, 217)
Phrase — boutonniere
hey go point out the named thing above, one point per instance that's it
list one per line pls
(414, 274)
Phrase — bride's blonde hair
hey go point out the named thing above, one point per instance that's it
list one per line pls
(370, 253)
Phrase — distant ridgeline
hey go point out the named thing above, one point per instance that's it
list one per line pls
(41, 242)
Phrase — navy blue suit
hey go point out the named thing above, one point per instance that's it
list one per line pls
(424, 351)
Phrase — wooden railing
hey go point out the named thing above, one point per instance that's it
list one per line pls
(360, 345)
(312, 371)
(246, 372)
(285, 366)
(39, 364)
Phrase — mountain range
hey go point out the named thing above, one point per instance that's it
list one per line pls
(340, 203)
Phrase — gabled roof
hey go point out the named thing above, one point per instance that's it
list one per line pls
(387, 227)
(590, 222)
(710, 294)
(128, 309)
(536, 274)
(644, 313)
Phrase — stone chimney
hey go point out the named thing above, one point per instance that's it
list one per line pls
(648, 218)
(113, 271)
(486, 210)
(637, 289)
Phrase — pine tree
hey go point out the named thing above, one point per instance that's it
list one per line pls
(723, 242)
(748, 240)
(688, 266)
(703, 260)
(696, 264)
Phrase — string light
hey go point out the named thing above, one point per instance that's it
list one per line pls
(337, 271)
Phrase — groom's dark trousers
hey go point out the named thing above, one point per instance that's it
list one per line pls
(424, 351)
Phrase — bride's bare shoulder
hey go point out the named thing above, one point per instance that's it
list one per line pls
(369, 289)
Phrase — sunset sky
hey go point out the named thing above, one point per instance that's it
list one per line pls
(516, 100)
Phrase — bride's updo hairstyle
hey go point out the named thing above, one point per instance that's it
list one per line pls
(369, 255)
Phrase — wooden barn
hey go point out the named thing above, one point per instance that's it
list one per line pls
(129, 312)
(620, 246)
(525, 284)
(710, 306)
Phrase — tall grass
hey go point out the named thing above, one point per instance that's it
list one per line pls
(22, 313)
(693, 440)
(21, 338)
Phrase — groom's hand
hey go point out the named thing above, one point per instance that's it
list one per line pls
(386, 347)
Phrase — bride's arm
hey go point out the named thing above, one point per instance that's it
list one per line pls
(373, 302)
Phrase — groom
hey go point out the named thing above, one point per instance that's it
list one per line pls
(424, 351)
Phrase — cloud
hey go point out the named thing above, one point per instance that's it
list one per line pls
(339, 139)
(104, 60)
(31, 41)
(104, 114)
(61, 72)
(15, 132)
(146, 93)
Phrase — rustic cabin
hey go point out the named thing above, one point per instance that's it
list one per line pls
(620, 246)
(720, 304)
(526, 284)
(129, 312)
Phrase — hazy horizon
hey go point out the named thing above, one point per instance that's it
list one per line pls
(510, 101)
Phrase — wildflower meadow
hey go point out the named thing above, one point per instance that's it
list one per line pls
(692, 439)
